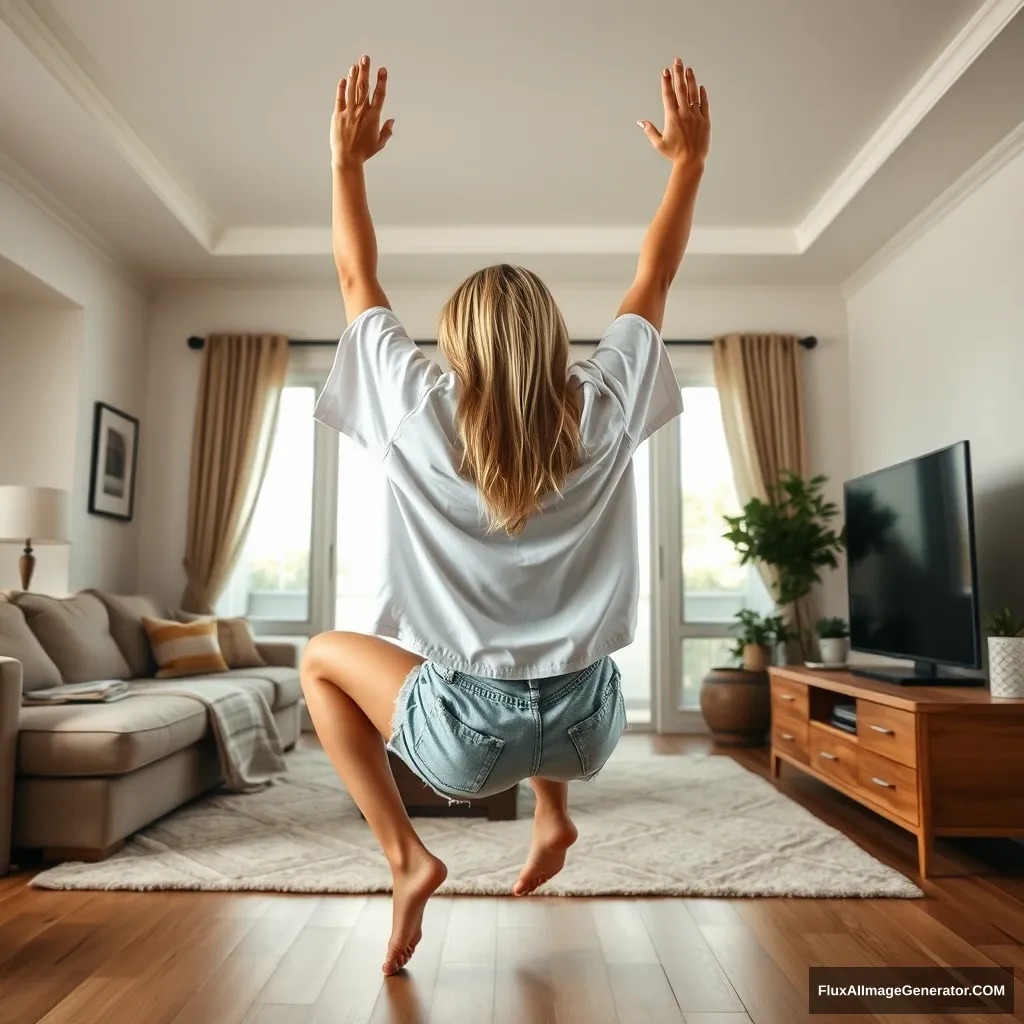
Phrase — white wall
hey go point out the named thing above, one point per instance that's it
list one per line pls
(182, 311)
(40, 363)
(112, 329)
(937, 355)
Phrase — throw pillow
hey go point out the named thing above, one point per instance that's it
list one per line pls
(19, 642)
(184, 648)
(237, 643)
(75, 633)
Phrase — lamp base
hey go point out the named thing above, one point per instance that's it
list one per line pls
(27, 565)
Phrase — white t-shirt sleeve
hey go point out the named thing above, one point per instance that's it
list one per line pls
(379, 377)
(633, 362)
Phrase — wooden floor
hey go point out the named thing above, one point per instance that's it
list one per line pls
(209, 958)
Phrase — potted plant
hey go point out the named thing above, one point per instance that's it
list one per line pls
(793, 533)
(833, 641)
(735, 701)
(1006, 655)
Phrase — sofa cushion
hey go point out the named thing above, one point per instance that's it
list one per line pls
(279, 686)
(126, 612)
(184, 649)
(107, 739)
(237, 644)
(18, 641)
(75, 633)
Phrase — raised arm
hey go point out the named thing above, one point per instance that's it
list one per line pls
(356, 135)
(685, 141)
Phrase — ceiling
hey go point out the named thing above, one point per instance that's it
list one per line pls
(189, 139)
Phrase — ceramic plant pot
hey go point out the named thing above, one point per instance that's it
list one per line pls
(736, 705)
(834, 649)
(756, 658)
(1006, 666)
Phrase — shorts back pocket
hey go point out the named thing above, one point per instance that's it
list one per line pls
(453, 756)
(597, 736)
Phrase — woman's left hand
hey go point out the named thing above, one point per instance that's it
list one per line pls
(356, 132)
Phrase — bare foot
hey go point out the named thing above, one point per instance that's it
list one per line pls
(553, 834)
(413, 885)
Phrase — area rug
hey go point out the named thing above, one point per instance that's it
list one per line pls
(650, 826)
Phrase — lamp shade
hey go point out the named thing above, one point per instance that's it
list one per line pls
(39, 514)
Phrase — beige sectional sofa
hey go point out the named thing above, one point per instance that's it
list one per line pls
(76, 779)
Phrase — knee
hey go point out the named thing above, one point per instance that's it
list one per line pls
(323, 656)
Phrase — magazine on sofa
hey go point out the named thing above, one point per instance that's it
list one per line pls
(99, 692)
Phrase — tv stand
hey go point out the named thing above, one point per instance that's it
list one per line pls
(937, 761)
(924, 673)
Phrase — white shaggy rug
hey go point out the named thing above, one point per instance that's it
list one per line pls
(670, 826)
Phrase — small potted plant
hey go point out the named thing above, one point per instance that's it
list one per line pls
(1006, 655)
(833, 641)
(736, 702)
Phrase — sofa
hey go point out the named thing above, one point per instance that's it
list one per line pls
(77, 779)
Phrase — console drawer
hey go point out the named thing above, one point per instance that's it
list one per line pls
(790, 699)
(833, 754)
(789, 735)
(889, 783)
(887, 731)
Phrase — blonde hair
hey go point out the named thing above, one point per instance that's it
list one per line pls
(518, 422)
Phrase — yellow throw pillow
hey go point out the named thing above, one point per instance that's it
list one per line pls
(184, 648)
(237, 644)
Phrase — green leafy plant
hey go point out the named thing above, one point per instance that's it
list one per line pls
(1005, 624)
(758, 631)
(832, 629)
(792, 532)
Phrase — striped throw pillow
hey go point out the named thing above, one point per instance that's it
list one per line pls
(184, 648)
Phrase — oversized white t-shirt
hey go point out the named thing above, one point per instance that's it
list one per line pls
(563, 592)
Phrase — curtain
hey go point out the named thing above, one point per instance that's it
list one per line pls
(236, 415)
(760, 387)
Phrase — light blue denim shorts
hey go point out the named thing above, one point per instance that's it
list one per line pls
(468, 736)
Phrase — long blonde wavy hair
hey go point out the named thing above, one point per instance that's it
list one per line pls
(517, 419)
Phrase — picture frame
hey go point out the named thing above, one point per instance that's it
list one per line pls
(115, 456)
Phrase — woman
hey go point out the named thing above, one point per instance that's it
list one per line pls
(512, 569)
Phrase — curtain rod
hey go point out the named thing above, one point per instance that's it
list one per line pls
(198, 343)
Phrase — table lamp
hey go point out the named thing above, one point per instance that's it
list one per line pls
(32, 515)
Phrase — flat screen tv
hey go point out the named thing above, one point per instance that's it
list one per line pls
(912, 568)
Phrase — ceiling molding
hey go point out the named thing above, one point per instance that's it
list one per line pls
(936, 211)
(13, 174)
(968, 44)
(499, 239)
(49, 40)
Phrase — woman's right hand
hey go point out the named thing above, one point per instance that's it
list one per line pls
(686, 137)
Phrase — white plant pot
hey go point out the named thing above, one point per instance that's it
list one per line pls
(1006, 666)
(834, 650)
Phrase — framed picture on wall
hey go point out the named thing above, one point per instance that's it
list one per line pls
(115, 448)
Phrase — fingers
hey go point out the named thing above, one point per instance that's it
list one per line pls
(339, 103)
(651, 132)
(668, 96)
(704, 108)
(363, 79)
(690, 80)
(679, 84)
(385, 133)
(350, 85)
(381, 89)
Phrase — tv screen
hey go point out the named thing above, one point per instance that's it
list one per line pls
(911, 561)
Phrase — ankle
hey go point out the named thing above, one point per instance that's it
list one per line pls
(403, 857)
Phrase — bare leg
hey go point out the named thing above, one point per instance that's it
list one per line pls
(553, 834)
(351, 682)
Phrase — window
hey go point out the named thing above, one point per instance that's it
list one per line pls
(713, 585)
(271, 582)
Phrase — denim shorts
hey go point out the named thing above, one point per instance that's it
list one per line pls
(467, 736)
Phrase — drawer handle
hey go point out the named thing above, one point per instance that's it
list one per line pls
(881, 782)
(828, 757)
(788, 736)
(882, 729)
(786, 696)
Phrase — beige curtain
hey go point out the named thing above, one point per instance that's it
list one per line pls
(760, 386)
(236, 415)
